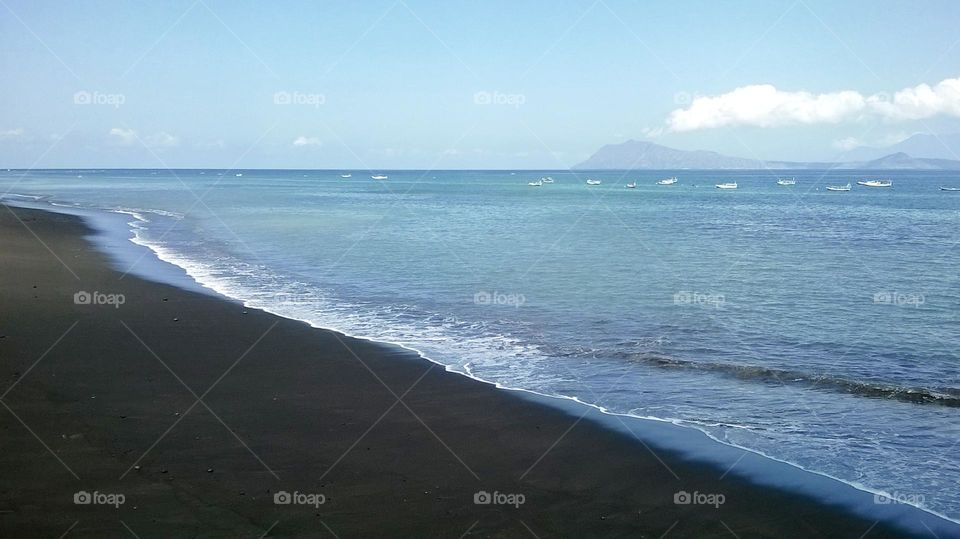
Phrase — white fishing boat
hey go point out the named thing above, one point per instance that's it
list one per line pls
(668, 181)
(838, 187)
(346, 175)
(379, 177)
(950, 188)
(548, 179)
(632, 185)
(594, 182)
(727, 185)
(876, 183)
(238, 174)
(787, 181)
(538, 183)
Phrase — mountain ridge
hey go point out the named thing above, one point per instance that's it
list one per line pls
(646, 155)
(921, 145)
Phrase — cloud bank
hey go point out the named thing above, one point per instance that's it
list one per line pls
(307, 141)
(129, 137)
(763, 105)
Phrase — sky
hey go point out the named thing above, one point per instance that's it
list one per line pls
(492, 84)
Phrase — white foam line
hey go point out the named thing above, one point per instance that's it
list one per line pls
(170, 257)
(468, 373)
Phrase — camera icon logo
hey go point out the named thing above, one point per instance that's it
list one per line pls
(82, 298)
(482, 498)
(82, 498)
(682, 498)
(82, 97)
(281, 98)
(482, 98)
(482, 298)
(282, 498)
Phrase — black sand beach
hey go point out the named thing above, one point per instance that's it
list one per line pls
(199, 411)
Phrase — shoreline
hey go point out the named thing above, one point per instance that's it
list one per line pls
(688, 439)
(609, 428)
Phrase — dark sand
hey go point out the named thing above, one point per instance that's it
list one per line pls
(320, 410)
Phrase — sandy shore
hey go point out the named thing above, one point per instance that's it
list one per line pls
(199, 412)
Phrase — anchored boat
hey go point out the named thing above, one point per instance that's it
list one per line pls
(876, 183)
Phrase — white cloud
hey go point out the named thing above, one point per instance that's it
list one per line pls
(218, 144)
(11, 133)
(847, 144)
(125, 136)
(922, 101)
(129, 137)
(162, 140)
(654, 132)
(763, 105)
(307, 141)
(895, 138)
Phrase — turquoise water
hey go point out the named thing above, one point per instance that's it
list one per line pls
(815, 327)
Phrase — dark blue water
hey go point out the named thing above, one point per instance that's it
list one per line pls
(815, 327)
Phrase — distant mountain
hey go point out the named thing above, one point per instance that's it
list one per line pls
(921, 145)
(638, 155)
(902, 161)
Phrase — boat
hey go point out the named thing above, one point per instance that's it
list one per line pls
(728, 185)
(668, 181)
(238, 174)
(787, 181)
(346, 175)
(875, 183)
(379, 177)
(838, 187)
(538, 183)
(548, 179)
(594, 182)
(632, 185)
(950, 188)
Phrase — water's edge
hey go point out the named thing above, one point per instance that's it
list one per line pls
(115, 236)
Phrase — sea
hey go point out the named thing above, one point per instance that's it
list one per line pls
(815, 327)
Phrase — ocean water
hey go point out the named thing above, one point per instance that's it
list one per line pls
(818, 328)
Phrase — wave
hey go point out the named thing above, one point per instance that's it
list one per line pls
(947, 396)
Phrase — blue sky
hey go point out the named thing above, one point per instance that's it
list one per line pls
(416, 84)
